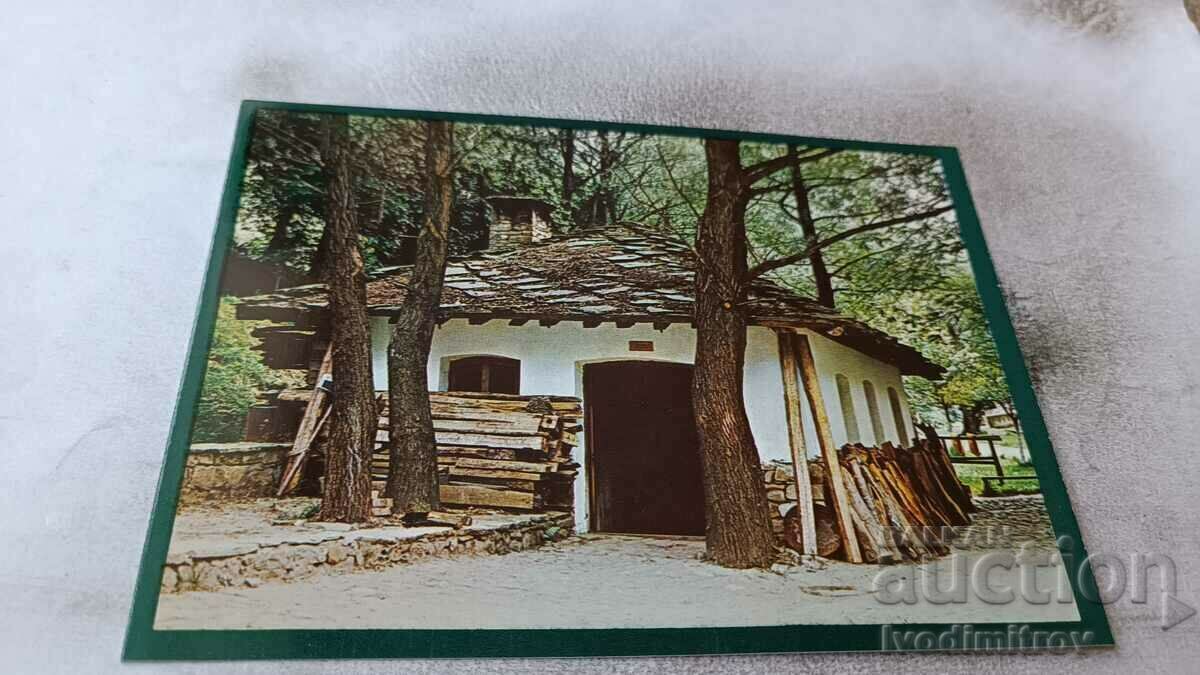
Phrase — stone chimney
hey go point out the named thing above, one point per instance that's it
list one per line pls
(518, 221)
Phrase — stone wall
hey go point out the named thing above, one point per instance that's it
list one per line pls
(781, 489)
(222, 471)
(310, 553)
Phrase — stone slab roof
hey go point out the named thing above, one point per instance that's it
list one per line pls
(623, 274)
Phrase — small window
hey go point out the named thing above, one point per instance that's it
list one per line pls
(873, 409)
(898, 415)
(848, 414)
(488, 374)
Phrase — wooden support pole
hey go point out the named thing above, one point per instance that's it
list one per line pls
(310, 424)
(792, 402)
(840, 500)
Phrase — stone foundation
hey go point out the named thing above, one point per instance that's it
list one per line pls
(781, 489)
(225, 471)
(331, 548)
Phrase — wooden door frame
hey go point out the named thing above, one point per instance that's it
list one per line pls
(589, 445)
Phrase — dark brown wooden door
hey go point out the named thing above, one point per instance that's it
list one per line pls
(643, 455)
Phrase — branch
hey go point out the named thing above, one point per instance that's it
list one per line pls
(466, 145)
(774, 187)
(298, 144)
(764, 267)
(869, 254)
(671, 177)
(757, 172)
(852, 216)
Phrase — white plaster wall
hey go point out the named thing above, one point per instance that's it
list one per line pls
(552, 360)
(831, 359)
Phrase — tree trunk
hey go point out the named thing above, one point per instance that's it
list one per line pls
(972, 417)
(739, 529)
(566, 141)
(1022, 453)
(347, 494)
(412, 480)
(930, 432)
(820, 272)
(1011, 411)
(319, 269)
(281, 235)
(602, 211)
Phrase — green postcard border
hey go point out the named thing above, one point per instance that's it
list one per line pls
(142, 642)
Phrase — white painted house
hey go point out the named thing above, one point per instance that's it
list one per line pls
(600, 314)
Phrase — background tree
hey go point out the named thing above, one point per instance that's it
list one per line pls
(282, 219)
(822, 279)
(946, 322)
(281, 216)
(233, 378)
(412, 479)
(587, 176)
(347, 491)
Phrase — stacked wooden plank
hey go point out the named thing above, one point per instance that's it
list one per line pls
(381, 507)
(499, 450)
(902, 502)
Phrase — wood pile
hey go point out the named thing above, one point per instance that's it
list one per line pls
(902, 502)
(499, 450)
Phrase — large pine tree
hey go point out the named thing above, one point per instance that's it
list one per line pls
(739, 529)
(347, 492)
(412, 483)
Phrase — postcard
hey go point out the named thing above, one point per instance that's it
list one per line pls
(467, 386)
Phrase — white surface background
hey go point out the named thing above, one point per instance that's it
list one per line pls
(1080, 141)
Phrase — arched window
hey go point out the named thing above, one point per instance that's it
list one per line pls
(873, 409)
(848, 415)
(898, 415)
(489, 374)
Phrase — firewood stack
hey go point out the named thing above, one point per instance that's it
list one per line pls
(902, 501)
(498, 450)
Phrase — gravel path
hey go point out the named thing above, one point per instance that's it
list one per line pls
(1007, 522)
(591, 581)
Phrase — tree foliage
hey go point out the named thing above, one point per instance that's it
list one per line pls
(880, 241)
(233, 378)
(281, 216)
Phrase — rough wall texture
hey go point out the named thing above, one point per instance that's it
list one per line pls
(781, 490)
(307, 555)
(1080, 146)
(219, 471)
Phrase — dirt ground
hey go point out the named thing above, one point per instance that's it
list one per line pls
(591, 581)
